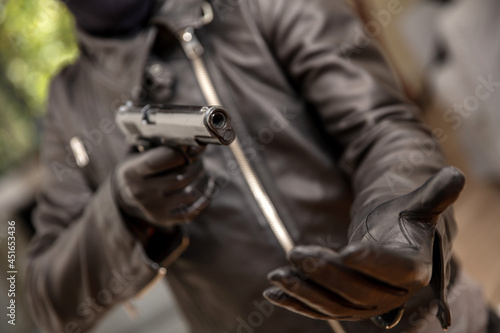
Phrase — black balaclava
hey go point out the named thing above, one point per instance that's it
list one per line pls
(110, 18)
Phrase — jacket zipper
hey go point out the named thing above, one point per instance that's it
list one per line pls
(194, 51)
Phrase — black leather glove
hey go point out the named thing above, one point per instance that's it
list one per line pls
(158, 186)
(388, 259)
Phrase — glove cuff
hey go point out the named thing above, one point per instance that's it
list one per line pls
(440, 281)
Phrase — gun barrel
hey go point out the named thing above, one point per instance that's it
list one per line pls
(176, 125)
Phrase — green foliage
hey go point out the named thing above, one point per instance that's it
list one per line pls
(36, 39)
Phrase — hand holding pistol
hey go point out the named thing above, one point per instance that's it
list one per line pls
(166, 184)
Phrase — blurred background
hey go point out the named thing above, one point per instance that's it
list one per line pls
(445, 53)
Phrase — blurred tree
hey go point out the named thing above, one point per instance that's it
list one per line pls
(36, 40)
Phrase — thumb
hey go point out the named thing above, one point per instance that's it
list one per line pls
(437, 193)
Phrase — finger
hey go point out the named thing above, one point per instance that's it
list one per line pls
(178, 201)
(315, 296)
(173, 181)
(157, 160)
(403, 267)
(278, 297)
(325, 267)
(191, 178)
(169, 184)
(437, 193)
(185, 203)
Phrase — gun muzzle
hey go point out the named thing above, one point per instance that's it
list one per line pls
(175, 125)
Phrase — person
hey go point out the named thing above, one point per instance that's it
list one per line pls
(331, 210)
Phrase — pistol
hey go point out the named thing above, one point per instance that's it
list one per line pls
(177, 126)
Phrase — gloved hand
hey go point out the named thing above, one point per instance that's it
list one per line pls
(388, 259)
(158, 186)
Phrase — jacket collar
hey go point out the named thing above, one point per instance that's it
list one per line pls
(119, 62)
(177, 15)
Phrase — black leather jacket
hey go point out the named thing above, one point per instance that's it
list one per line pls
(319, 117)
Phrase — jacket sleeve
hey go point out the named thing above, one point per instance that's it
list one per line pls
(83, 260)
(385, 149)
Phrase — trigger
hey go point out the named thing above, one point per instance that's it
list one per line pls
(191, 152)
